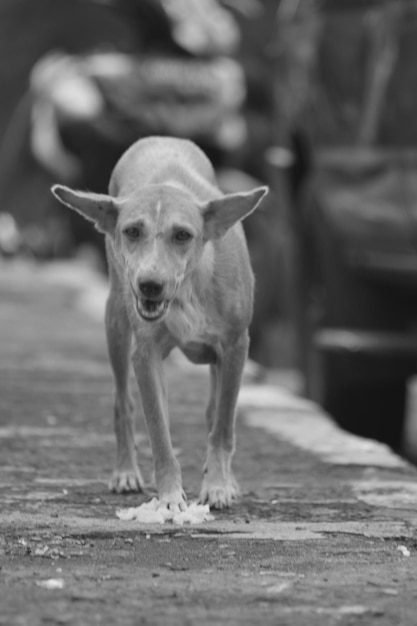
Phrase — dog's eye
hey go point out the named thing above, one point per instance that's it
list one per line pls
(132, 232)
(182, 236)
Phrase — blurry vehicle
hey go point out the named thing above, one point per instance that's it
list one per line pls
(87, 108)
(347, 102)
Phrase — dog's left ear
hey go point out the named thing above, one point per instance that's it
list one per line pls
(96, 207)
(223, 213)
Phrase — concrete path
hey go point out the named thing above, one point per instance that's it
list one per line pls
(325, 533)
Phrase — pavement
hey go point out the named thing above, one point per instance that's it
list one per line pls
(325, 532)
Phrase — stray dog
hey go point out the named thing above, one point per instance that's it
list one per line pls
(180, 276)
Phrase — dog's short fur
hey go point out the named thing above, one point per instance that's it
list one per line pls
(179, 276)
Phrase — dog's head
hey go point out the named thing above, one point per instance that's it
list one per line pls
(159, 235)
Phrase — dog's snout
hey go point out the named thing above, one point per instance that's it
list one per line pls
(150, 289)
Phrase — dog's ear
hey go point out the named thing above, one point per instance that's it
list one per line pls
(221, 214)
(98, 208)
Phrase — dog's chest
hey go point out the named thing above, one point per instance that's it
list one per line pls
(191, 323)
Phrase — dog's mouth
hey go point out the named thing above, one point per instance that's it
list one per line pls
(151, 310)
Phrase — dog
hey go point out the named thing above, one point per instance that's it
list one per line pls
(180, 276)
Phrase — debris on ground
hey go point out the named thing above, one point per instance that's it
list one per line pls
(404, 550)
(155, 512)
(51, 583)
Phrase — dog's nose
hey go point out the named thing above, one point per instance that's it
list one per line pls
(150, 289)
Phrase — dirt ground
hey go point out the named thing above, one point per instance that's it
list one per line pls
(311, 541)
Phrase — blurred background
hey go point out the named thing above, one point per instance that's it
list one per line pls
(316, 98)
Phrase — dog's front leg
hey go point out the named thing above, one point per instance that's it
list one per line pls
(148, 368)
(126, 476)
(219, 486)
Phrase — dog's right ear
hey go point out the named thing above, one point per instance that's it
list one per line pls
(98, 208)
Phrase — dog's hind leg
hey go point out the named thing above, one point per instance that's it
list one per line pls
(126, 476)
(219, 487)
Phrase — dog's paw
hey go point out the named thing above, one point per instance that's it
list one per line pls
(219, 494)
(175, 501)
(126, 481)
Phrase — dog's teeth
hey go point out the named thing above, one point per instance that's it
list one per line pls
(151, 310)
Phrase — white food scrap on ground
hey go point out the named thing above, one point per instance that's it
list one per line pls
(51, 583)
(404, 550)
(154, 512)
